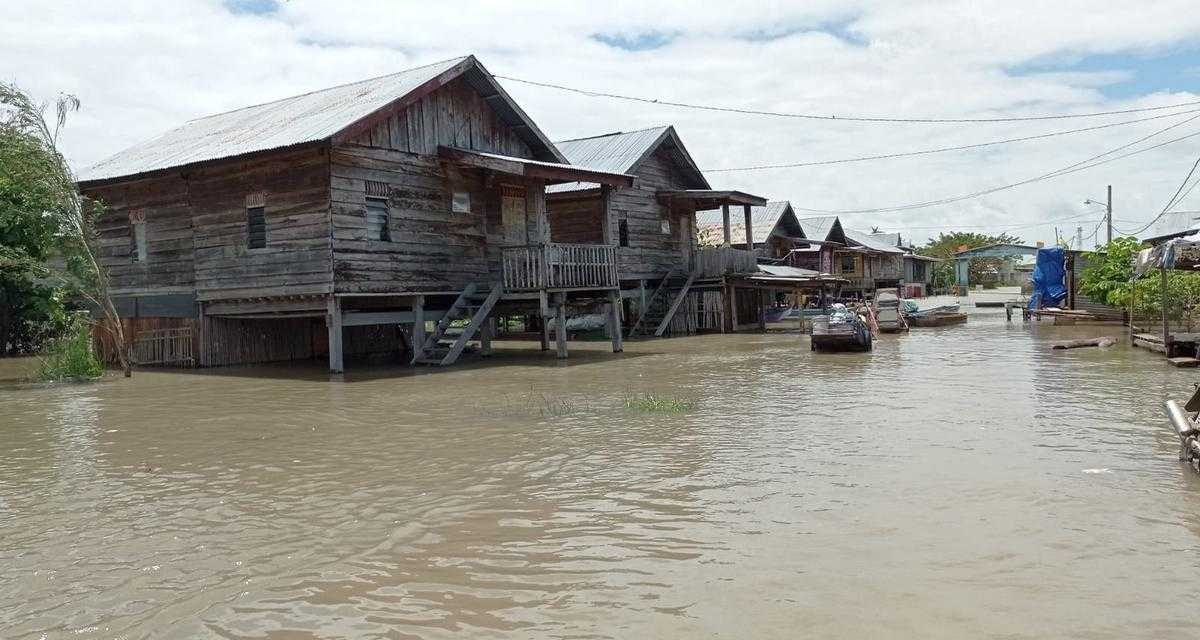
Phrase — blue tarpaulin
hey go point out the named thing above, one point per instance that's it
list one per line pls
(1048, 276)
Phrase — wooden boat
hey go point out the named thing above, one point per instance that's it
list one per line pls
(842, 330)
(936, 316)
(937, 319)
(888, 313)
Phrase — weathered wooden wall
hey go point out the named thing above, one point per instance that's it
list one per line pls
(197, 229)
(432, 248)
(296, 258)
(651, 253)
(165, 203)
(454, 115)
(577, 220)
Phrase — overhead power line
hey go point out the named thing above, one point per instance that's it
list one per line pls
(835, 118)
(1001, 226)
(1082, 165)
(1175, 199)
(965, 147)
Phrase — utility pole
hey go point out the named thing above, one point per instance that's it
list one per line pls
(1108, 216)
(1079, 238)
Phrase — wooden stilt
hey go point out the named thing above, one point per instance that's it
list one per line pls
(732, 292)
(560, 326)
(614, 321)
(333, 321)
(762, 310)
(486, 332)
(418, 330)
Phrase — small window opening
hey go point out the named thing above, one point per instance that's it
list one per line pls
(847, 264)
(461, 202)
(378, 220)
(623, 233)
(665, 226)
(137, 238)
(256, 227)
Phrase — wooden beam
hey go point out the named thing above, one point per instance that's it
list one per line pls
(418, 330)
(725, 222)
(749, 228)
(614, 321)
(485, 336)
(333, 321)
(560, 326)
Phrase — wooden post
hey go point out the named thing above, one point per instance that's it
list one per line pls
(1165, 323)
(733, 316)
(486, 332)
(614, 321)
(749, 228)
(762, 310)
(725, 222)
(560, 325)
(606, 233)
(418, 331)
(333, 321)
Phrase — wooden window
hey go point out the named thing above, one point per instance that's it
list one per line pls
(256, 227)
(848, 263)
(378, 220)
(623, 232)
(665, 226)
(461, 202)
(137, 236)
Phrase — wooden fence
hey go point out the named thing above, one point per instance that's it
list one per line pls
(164, 347)
(559, 266)
(715, 262)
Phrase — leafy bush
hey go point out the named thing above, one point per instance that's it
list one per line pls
(1108, 278)
(72, 356)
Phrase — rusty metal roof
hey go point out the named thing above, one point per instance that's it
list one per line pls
(308, 118)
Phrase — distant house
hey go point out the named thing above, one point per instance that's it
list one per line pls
(821, 257)
(917, 271)
(775, 229)
(669, 283)
(341, 221)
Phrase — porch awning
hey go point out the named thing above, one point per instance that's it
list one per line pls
(551, 172)
(705, 199)
(786, 277)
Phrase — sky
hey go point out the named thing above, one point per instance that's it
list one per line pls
(143, 67)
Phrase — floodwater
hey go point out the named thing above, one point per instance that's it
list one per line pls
(956, 482)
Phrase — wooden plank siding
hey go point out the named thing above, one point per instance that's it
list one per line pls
(577, 220)
(197, 230)
(432, 248)
(651, 253)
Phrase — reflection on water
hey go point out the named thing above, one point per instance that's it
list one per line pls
(958, 482)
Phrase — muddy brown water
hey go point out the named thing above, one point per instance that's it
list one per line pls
(956, 482)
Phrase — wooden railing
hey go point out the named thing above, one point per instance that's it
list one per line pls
(168, 347)
(714, 262)
(559, 266)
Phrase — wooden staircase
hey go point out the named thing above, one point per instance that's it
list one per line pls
(658, 312)
(471, 303)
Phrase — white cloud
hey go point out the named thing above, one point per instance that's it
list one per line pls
(146, 67)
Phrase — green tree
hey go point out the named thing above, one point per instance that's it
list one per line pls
(31, 311)
(948, 244)
(41, 201)
(1109, 278)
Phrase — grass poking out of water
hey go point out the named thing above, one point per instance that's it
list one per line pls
(71, 357)
(654, 403)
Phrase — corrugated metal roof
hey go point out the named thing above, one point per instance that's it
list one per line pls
(710, 225)
(1172, 224)
(818, 228)
(868, 241)
(282, 123)
(887, 238)
(787, 272)
(307, 118)
(620, 152)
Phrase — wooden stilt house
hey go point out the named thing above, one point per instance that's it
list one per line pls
(669, 283)
(372, 216)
